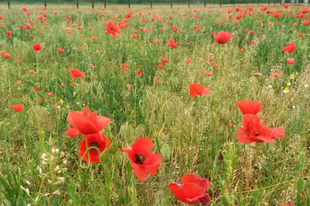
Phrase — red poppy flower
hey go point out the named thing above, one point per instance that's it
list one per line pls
(125, 67)
(159, 66)
(216, 66)
(198, 89)
(222, 37)
(285, 6)
(300, 34)
(60, 50)
(8, 33)
(249, 107)
(164, 60)
(139, 73)
(252, 130)
(76, 73)
(305, 22)
(128, 86)
(24, 9)
(134, 36)
(94, 140)
(111, 28)
(36, 47)
(290, 60)
(242, 50)
(86, 122)
(277, 14)
(17, 107)
(258, 74)
(141, 158)
(289, 48)
(7, 56)
(209, 74)
(275, 74)
(192, 190)
(172, 43)
(211, 59)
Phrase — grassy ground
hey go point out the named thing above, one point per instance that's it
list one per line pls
(40, 165)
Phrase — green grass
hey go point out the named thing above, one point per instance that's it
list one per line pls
(192, 135)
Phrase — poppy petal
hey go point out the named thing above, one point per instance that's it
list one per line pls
(277, 133)
(206, 91)
(81, 123)
(140, 172)
(242, 137)
(153, 170)
(176, 189)
(144, 143)
(193, 178)
(203, 199)
(191, 190)
(73, 132)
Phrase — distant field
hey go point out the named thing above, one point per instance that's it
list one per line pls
(155, 73)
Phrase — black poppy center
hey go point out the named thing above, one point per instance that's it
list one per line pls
(140, 158)
(94, 144)
(256, 134)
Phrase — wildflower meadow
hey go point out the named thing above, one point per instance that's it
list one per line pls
(154, 106)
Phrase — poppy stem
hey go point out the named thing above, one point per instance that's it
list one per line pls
(87, 152)
(257, 160)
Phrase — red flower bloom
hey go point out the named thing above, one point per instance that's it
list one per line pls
(198, 89)
(164, 60)
(111, 28)
(85, 122)
(258, 74)
(242, 50)
(94, 140)
(290, 60)
(141, 158)
(211, 59)
(125, 67)
(285, 6)
(216, 66)
(275, 74)
(222, 37)
(60, 50)
(305, 22)
(76, 73)
(277, 14)
(300, 34)
(139, 73)
(172, 43)
(209, 74)
(289, 48)
(134, 36)
(159, 66)
(8, 33)
(36, 47)
(192, 189)
(252, 130)
(249, 107)
(17, 107)
(7, 56)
